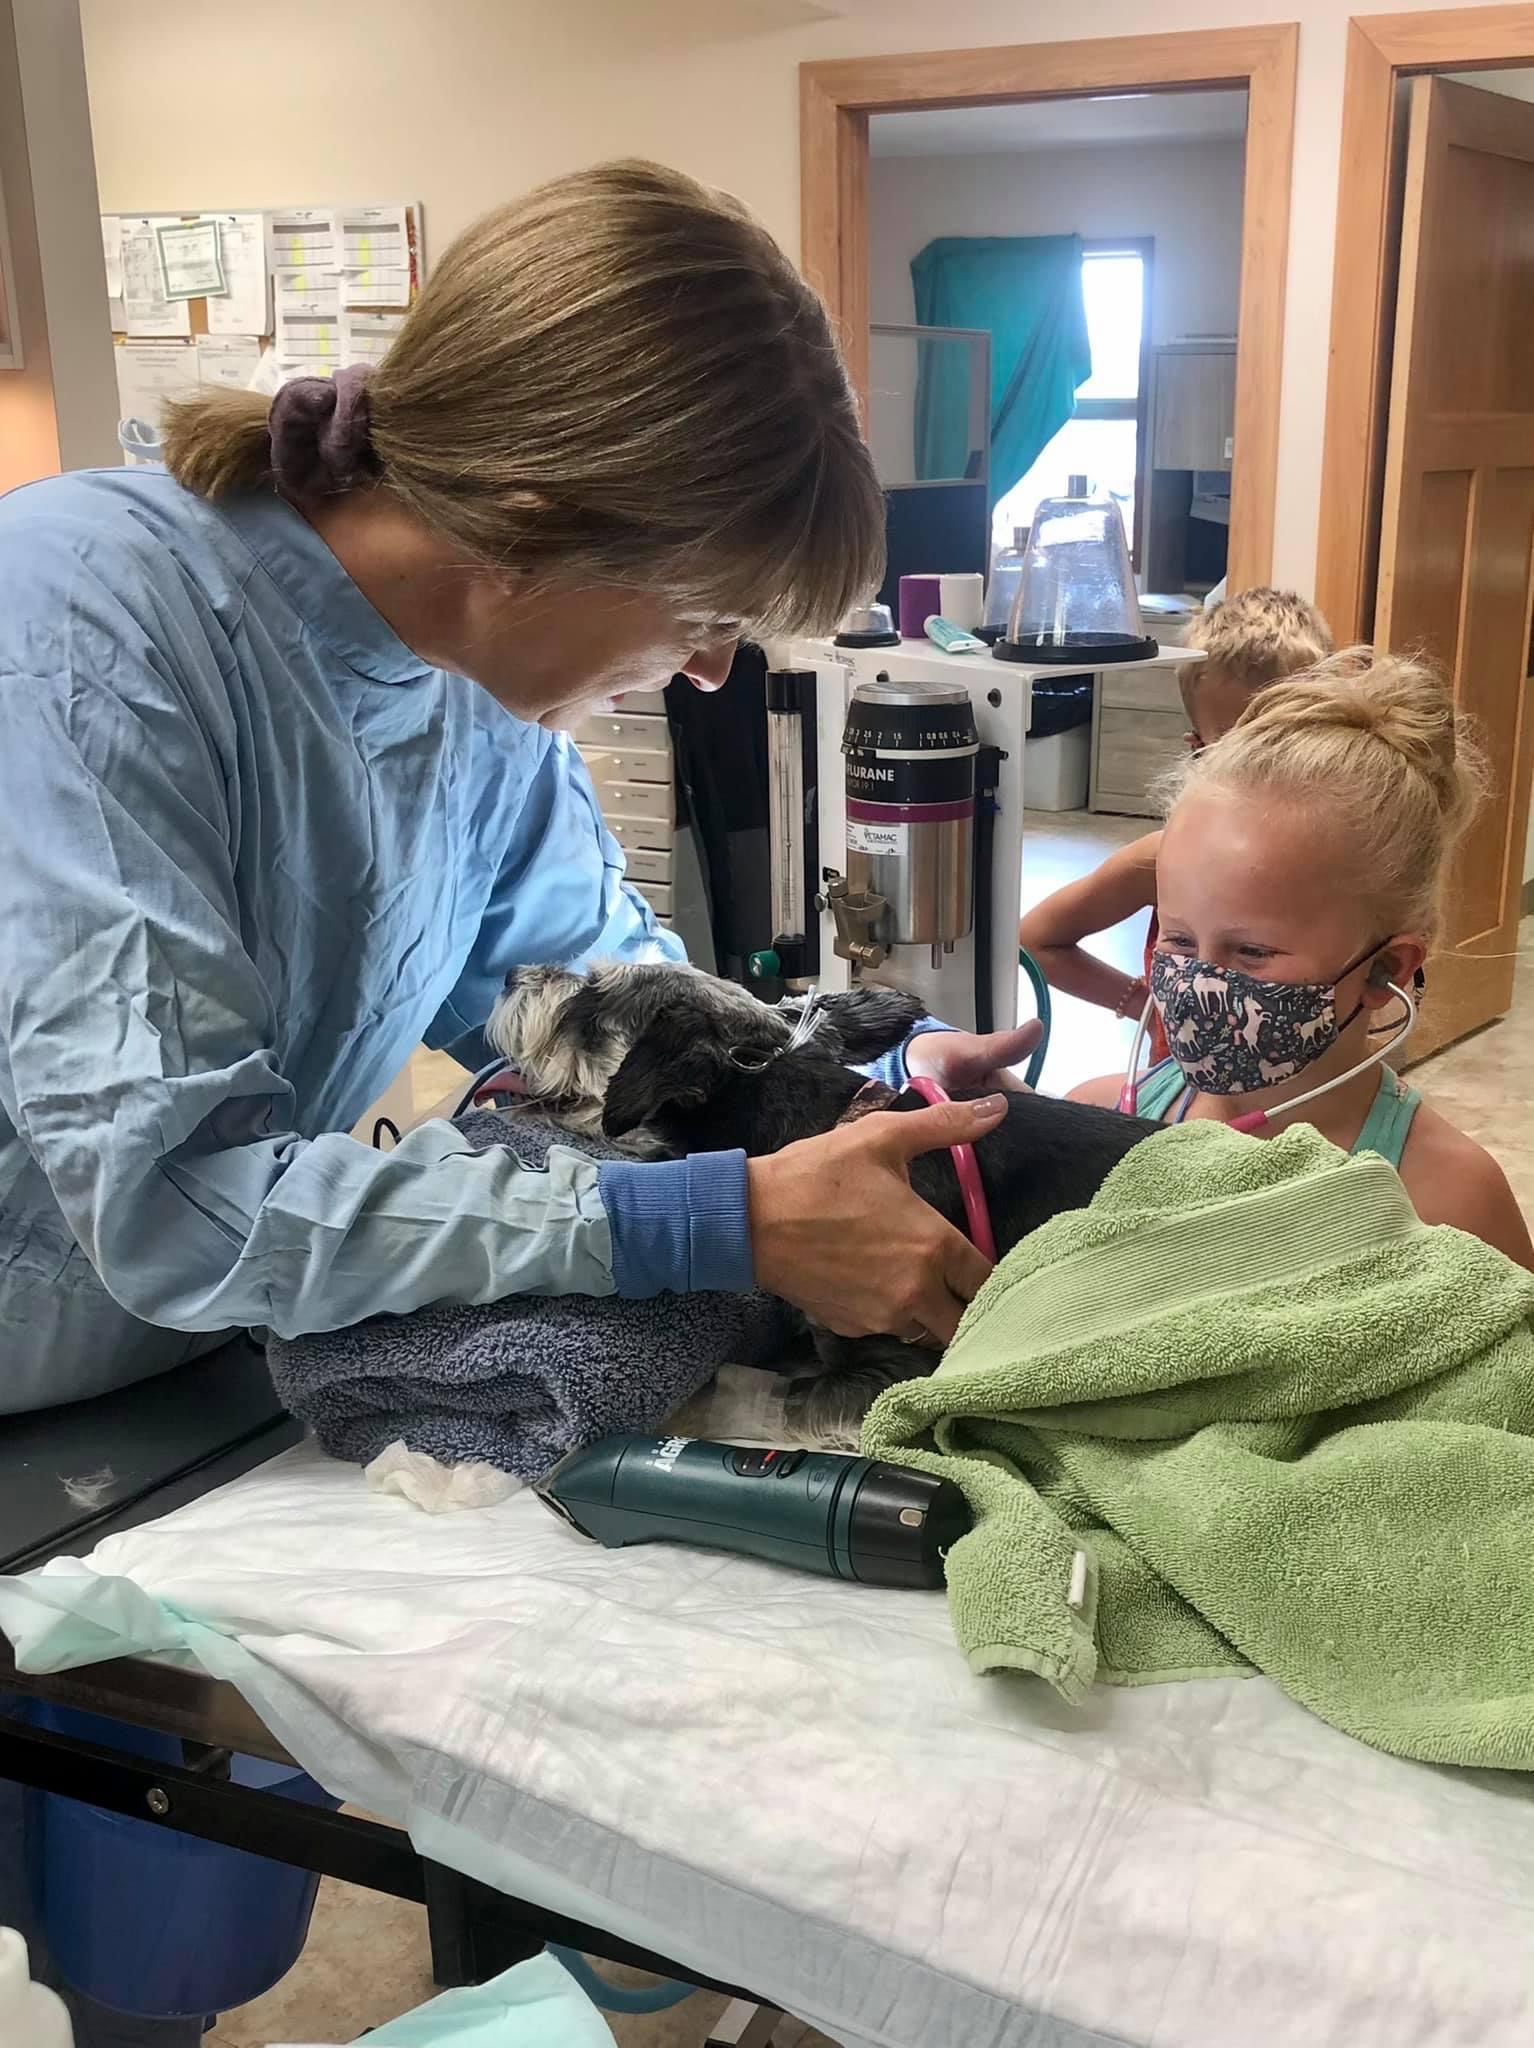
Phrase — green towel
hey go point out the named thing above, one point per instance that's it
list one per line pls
(1247, 1411)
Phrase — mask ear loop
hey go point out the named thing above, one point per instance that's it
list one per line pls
(1259, 1119)
(1129, 1094)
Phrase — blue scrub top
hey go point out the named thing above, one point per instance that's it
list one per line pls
(252, 853)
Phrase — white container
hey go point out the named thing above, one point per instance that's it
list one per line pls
(1056, 771)
(31, 2016)
(139, 443)
(963, 599)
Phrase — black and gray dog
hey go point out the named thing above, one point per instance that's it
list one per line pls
(667, 1060)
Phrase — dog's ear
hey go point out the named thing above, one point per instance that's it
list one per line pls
(869, 1020)
(675, 1063)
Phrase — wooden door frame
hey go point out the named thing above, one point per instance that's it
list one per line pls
(837, 98)
(1382, 50)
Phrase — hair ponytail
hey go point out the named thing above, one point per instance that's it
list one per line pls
(217, 443)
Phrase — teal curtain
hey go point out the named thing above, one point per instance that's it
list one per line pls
(1026, 292)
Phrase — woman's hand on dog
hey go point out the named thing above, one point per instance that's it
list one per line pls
(837, 1230)
(961, 1060)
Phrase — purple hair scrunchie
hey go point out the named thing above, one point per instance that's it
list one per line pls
(320, 430)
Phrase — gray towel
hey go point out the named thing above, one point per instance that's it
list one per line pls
(516, 1383)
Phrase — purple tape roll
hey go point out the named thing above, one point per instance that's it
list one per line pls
(921, 598)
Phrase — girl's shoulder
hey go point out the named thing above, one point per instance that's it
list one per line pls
(1452, 1179)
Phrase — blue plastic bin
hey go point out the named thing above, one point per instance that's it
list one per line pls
(158, 1924)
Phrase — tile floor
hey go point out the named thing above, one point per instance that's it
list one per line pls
(366, 1959)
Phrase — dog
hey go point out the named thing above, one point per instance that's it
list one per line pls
(665, 1060)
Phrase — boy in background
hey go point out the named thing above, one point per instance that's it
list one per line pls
(1250, 640)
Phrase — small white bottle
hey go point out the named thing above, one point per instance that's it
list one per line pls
(31, 2016)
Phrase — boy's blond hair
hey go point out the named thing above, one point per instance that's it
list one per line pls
(1255, 638)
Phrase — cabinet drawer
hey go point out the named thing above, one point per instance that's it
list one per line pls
(658, 896)
(633, 833)
(638, 800)
(610, 764)
(631, 731)
(1133, 748)
(1141, 689)
(645, 866)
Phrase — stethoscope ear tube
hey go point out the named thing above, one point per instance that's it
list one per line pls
(1129, 1094)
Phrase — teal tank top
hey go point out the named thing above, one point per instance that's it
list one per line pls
(1386, 1127)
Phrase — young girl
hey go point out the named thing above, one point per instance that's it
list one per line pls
(1253, 639)
(1298, 893)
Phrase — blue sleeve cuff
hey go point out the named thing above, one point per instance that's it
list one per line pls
(890, 1068)
(680, 1226)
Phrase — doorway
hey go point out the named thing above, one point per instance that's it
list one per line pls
(839, 99)
(1093, 243)
(1427, 528)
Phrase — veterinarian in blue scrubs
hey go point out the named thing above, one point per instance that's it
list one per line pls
(284, 792)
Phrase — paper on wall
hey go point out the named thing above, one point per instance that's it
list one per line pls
(376, 287)
(227, 359)
(246, 306)
(366, 337)
(267, 376)
(375, 260)
(112, 252)
(146, 310)
(149, 372)
(190, 264)
(305, 244)
(308, 328)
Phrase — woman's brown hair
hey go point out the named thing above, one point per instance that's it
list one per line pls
(619, 378)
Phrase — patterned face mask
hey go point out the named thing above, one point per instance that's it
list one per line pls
(1234, 1035)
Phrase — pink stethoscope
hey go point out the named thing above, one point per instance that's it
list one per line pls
(977, 1212)
(1257, 1119)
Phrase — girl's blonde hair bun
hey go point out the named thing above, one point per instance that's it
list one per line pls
(1373, 740)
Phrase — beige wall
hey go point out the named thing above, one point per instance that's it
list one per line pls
(459, 103)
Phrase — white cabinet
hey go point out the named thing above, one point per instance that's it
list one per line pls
(628, 752)
(1139, 730)
(1194, 422)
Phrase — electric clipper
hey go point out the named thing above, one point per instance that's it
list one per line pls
(819, 1511)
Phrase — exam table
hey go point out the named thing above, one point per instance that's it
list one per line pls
(150, 1449)
(745, 1777)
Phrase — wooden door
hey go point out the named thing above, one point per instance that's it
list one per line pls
(1457, 538)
